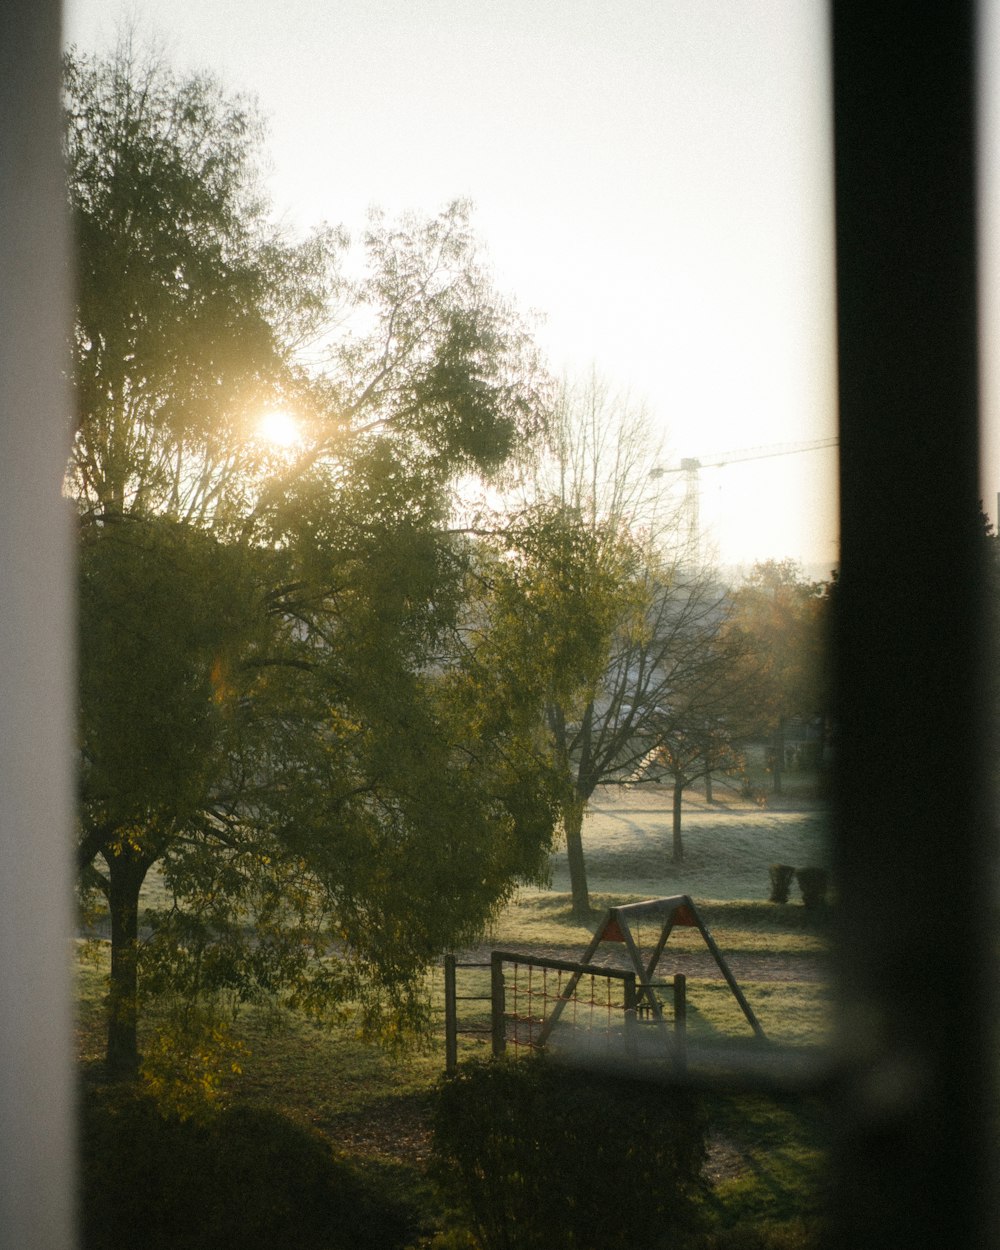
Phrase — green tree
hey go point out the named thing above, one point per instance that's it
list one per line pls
(190, 305)
(785, 618)
(554, 591)
(269, 712)
(666, 694)
(657, 622)
(164, 609)
(712, 707)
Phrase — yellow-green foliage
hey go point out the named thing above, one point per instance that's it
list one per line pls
(189, 1057)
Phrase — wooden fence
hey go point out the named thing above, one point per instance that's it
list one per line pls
(537, 1003)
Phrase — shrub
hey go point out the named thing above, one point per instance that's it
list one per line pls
(536, 1156)
(245, 1177)
(781, 882)
(792, 1235)
(813, 882)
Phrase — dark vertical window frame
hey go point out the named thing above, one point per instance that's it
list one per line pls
(914, 811)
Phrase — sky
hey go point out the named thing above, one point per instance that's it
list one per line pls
(651, 178)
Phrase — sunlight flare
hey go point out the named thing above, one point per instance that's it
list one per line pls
(280, 429)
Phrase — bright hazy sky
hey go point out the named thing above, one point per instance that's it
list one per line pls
(651, 176)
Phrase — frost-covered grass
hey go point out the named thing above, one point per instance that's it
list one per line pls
(728, 845)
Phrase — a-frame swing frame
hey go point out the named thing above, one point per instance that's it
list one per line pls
(678, 911)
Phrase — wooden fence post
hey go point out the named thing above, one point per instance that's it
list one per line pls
(680, 1019)
(631, 1016)
(498, 1006)
(450, 1016)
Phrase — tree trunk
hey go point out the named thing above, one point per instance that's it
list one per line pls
(708, 786)
(678, 852)
(573, 825)
(127, 873)
(779, 755)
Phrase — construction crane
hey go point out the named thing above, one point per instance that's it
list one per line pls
(691, 467)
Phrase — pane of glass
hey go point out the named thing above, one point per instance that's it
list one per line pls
(652, 185)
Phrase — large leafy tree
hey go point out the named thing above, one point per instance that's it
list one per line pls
(271, 712)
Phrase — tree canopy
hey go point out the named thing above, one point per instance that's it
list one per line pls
(662, 664)
(785, 618)
(274, 708)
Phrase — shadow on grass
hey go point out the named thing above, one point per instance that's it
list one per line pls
(783, 1145)
(242, 1176)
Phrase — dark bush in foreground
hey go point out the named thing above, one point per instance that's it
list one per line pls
(244, 1178)
(792, 1235)
(534, 1155)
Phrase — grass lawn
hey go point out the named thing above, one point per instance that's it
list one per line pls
(766, 1155)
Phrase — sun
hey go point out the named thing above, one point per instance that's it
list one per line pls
(280, 429)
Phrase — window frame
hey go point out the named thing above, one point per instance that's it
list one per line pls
(914, 806)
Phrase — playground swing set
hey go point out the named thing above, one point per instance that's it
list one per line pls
(678, 911)
(516, 1006)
